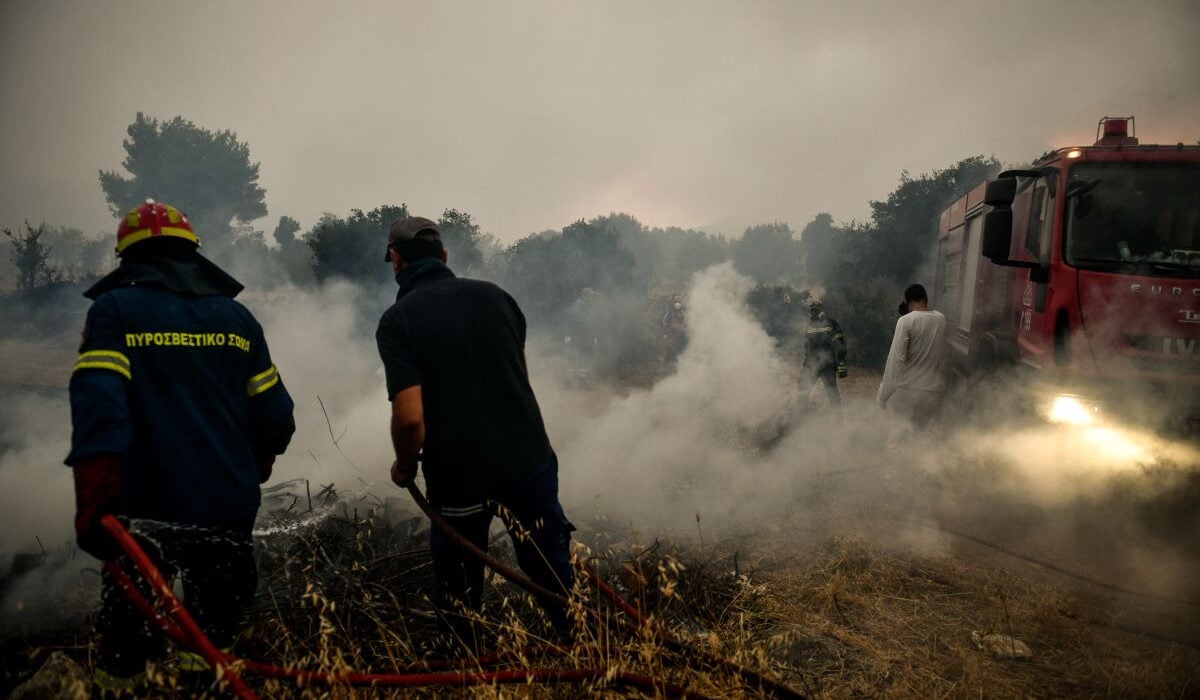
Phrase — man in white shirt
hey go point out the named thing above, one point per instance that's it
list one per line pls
(914, 378)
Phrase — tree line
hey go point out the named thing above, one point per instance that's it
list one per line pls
(858, 268)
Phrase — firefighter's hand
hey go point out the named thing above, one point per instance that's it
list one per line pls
(265, 464)
(403, 476)
(97, 494)
(842, 372)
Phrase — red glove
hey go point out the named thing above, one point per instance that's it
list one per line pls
(97, 493)
(265, 464)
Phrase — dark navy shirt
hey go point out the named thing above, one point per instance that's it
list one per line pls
(463, 342)
(182, 387)
(825, 346)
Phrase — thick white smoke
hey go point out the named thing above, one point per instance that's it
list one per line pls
(325, 350)
(36, 492)
(725, 444)
(726, 438)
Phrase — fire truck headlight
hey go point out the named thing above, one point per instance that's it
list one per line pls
(1072, 410)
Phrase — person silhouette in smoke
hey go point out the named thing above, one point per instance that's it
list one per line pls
(825, 350)
(177, 415)
(674, 327)
(582, 342)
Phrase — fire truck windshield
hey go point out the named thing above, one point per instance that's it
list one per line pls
(1138, 218)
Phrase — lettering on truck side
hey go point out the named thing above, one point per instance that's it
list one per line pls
(1184, 347)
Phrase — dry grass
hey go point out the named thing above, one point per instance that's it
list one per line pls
(859, 622)
(834, 617)
(348, 592)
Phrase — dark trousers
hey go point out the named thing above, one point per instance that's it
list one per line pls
(828, 377)
(216, 566)
(541, 538)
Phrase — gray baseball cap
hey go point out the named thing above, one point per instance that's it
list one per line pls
(411, 228)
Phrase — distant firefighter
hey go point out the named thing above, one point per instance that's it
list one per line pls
(825, 350)
(585, 326)
(177, 414)
(778, 310)
(674, 329)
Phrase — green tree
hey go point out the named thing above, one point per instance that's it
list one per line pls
(866, 311)
(206, 174)
(285, 232)
(816, 246)
(666, 259)
(32, 258)
(905, 224)
(547, 272)
(353, 247)
(77, 255)
(297, 257)
(769, 253)
(463, 239)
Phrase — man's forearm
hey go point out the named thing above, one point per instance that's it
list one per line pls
(407, 438)
(408, 433)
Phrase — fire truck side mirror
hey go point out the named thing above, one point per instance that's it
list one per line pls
(997, 234)
(1000, 193)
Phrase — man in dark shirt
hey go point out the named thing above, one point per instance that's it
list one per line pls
(453, 350)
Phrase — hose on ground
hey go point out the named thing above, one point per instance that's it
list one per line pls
(753, 677)
(178, 625)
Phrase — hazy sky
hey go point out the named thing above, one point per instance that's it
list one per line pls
(530, 115)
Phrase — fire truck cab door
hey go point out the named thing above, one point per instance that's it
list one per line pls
(1033, 217)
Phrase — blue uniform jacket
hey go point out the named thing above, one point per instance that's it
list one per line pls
(182, 387)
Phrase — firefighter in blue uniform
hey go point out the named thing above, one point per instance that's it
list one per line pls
(825, 350)
(177, 414)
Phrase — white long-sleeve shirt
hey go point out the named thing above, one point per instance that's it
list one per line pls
(917, 356)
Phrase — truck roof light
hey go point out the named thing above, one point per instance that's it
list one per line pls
(1074, 153)
(1115, 131)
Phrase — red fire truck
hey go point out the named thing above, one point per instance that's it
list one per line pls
(1083, 271)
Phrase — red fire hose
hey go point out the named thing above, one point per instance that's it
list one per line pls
(778, 689)
(219, 661)
(179, 626)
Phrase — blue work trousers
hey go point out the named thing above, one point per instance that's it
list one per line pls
(541, 538)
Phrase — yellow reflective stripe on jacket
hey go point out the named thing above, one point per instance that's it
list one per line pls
(104, 359)
(262, 381)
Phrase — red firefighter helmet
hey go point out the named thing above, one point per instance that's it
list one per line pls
(150, 220)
